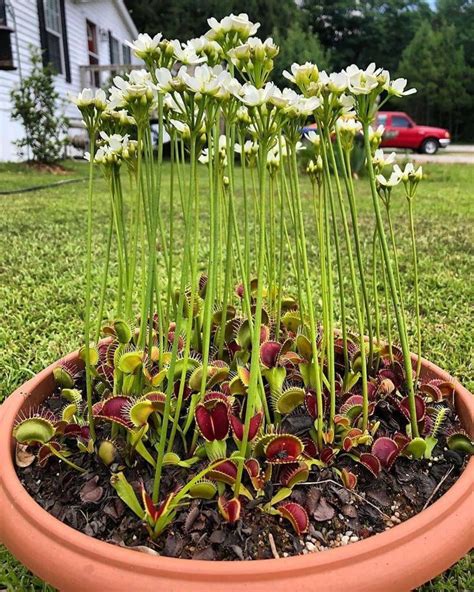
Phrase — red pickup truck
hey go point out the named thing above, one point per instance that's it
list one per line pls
(402, 132)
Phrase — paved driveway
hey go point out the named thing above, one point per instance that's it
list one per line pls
(457, 153)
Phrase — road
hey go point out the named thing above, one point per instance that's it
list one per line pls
(455, 154)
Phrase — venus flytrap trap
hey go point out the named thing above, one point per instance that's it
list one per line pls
(224, 390)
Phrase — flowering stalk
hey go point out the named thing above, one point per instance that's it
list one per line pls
(357, 243)
(340, 275)
(105, 276)
(328, 294)
(392, 284)
(243, 166)
(87, 312)
(417, 287)
(375, 288)
(316, 368)
(255, 356)
(355, 292)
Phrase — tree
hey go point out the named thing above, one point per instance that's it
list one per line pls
(434, 64)
(184, 19)
(364, 32)
(300, 46)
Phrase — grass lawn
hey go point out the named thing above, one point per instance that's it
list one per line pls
(42, 237)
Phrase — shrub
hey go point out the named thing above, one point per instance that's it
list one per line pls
(36, 104)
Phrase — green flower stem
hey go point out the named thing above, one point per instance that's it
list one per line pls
(375, 286)
(329, 329)
(395, 257)
(105, 276)
(87, 312)
(171, 223)
(393, 287)
(120, 243)
(121, 215)
(355, 291)
(309, 297)
(323, 272)
(229, 253)
(388, 314)
(255, 357)
(136, 217)
(299, 282)
(194, 196)
(213, 246)
(281, 257)
(243, 166)
(174, 351)
(417, 287)
(271, 241)
(357, 242)
(340, 273)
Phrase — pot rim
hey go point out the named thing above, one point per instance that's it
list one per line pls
(92, 548)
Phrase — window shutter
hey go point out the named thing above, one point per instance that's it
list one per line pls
(111, 53)
(42, 31)
(67, 64)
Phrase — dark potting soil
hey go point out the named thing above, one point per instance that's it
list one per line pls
(338, 516)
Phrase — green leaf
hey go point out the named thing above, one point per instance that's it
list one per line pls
(282, 494)
(34, 429)
(127, 494)
(416, 448)
(461, 443)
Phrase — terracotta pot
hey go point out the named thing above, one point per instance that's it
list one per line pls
(397, 560)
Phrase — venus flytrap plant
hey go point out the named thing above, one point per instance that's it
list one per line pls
(238, 389)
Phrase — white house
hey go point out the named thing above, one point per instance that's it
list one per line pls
(80, 38)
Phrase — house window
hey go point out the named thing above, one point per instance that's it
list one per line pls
(114, 48)
(127, 54)
(54, 34)
(6, 58)
(93, 50)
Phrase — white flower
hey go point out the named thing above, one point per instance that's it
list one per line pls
(336, 82)
(362, 82)
(182, 128)
(164, 80)
(203, 46)
(138, 84)
(87, 98)
(228, 86)
(116, 142)
(380, 159)
(239, 24)
(253, 97)
(397, 88)
(313, 137)
(303, 74)
(348, 125)
(299, 106)
(409, 173)
(254, 49)
(145, 45)
(204, 80)
(376, 134)
(185, 53)
(249, 147)
(392, 181)
(315, 167)
(347, 103)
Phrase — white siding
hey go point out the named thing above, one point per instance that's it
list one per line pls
(105, 15)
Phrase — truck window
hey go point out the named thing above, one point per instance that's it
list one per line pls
(399, 121)
(381, 120)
